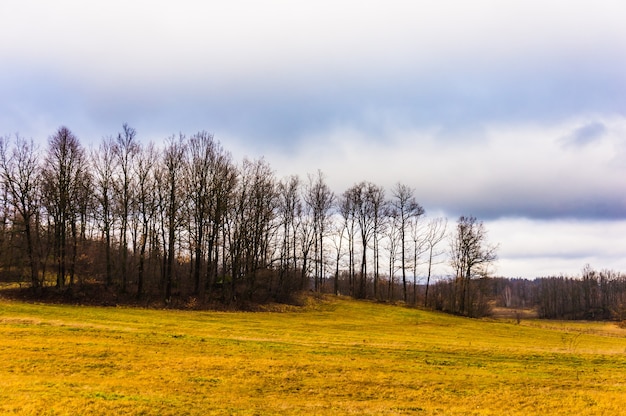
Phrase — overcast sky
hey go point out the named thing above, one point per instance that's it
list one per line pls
(512, 111)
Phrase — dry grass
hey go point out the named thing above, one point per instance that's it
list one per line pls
(332, 357)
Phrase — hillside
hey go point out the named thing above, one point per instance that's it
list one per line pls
(334, 356)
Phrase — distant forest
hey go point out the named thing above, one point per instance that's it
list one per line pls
(185, 224)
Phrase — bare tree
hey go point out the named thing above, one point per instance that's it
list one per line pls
(377, 198)
(419, 236)
(20, 171)
(436, 233)
(339, 232)
(347, 210)
(103, 162)
(7, 257)
(471, 255)
(201, 152)
(173, 164)
(306, 238)
(289, 209)
(125, 150)
(408, 209)
(223, 183)
(63, 171)
(82, 211)
(363, 202)
(252, 223)
(145, 171)
(319, 198)
(392, 234)
(210, 181)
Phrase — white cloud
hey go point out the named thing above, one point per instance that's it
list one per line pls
(250, 67)
(471, 103)
(520, 170)
(535, 248)
(156, 41)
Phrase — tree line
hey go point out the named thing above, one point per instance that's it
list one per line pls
(184, 220)
(594, 295)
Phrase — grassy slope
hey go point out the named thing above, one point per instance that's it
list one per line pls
(339, 357)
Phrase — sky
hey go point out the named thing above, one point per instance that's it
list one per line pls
(510, 111)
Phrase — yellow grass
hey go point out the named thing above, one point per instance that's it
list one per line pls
(335, 357)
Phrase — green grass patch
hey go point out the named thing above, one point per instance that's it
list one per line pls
(333, 357)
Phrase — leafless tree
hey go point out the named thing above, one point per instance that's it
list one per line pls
(408, 209)
(64, 169)
(79, 264)
(436, 234)
(145, 173)
(253, 222)
(392, 234)
(339, 231)
(363, 200)
(319, 198)
(306, 239)
(471, 255)
(125, 149)
(347, 210)
(199, 179)
(419, 236)
(6, 255)
(21, 175)
(224, 182)
(173, 164)
(379, 205)
(103, 163)
(289, 210)
(210, 181)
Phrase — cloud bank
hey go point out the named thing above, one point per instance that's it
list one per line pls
(500, 171)
(499, 110)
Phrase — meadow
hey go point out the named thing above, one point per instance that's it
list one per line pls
(333, 356)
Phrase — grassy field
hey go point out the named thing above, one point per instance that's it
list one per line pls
(333, 357)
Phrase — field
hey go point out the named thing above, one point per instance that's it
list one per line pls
(334, 356)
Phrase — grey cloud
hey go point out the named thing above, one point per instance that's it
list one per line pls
(593, 207)
(585, 135)
(279, 111)
(564, 195)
